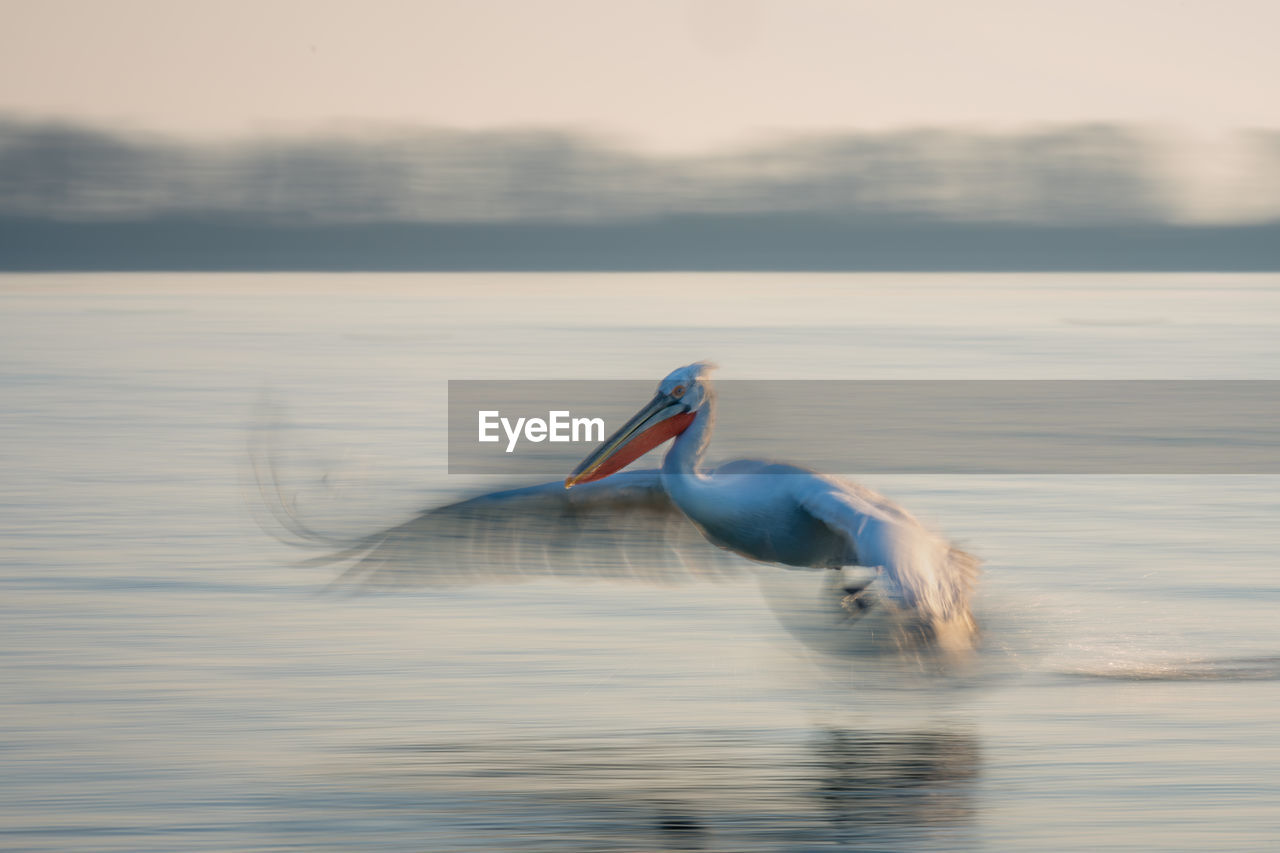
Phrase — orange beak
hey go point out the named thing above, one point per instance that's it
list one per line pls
(663, 418)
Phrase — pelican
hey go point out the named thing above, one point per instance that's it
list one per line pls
(768, 512)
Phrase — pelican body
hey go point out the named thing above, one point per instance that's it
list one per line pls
(784, 514)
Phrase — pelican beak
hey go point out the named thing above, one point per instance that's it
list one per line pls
(663, 418)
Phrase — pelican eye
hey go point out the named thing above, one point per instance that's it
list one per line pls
(677, 391)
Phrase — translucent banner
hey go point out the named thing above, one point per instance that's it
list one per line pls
(542, 428)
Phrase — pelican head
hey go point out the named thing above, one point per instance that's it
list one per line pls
(680, 395)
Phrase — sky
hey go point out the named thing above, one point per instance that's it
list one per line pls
(662, 75)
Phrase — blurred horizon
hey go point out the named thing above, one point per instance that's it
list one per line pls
(1048, 173)
(76, 195)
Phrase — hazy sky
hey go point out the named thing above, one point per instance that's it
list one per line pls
(670, 74)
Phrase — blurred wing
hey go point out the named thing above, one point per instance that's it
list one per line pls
(921, 570)
(622, 527)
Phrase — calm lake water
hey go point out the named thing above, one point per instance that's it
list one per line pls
(169, 680)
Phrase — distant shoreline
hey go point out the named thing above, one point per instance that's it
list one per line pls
(729, 243)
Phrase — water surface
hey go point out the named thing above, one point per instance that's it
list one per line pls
(170, 681)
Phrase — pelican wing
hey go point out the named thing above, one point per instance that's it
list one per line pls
(920, 570)
(623, 527)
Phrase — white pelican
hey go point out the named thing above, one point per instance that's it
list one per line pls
(767, 512)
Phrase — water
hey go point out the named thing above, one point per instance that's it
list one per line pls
(170, 682)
